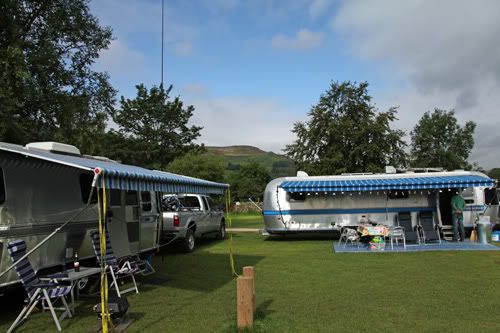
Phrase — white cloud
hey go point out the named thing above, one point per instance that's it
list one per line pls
(305, 39)
(446, 51)
(240, 120)
(318, 7)
(118, 57)
(183, 48)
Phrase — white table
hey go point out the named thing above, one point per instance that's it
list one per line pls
(76, 277)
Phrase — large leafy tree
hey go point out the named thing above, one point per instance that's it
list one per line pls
(439, 141)
(48, 90)
(155, 127)
(249, 181)
(200, 166)
(345, 133)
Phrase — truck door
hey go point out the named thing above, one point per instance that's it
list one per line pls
(211, 224)
(149, 215)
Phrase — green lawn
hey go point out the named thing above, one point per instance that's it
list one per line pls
(247, 220)
(303, 287)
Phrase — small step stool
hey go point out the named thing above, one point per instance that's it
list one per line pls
(447, 232)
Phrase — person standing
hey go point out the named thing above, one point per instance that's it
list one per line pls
(457, 211)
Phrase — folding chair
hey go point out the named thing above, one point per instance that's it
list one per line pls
(429, 230)
(36, 288)
(349, 235)
(111, 263)
(412, 234)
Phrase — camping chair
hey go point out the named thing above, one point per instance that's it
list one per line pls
(397, 234)
(349, 235)
(411, 234)
(117, 272)
(429, 230)
(36, 288)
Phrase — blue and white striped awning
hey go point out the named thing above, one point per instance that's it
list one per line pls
(122, 176)
(377, 184)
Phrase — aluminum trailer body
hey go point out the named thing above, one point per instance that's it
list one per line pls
(328, 203)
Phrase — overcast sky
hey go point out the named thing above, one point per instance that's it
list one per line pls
(252, 68)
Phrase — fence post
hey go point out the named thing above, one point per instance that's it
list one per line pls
(244, 306)
(248, 271)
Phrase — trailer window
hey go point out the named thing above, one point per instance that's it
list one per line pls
(296, 196)
(86, 180)
(115, 198)
(468, 195)
(131, 198)
(398, 194)
(490, 196)
(2, 187)
(146, 201)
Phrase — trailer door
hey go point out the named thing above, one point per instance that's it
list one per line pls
(150, 213)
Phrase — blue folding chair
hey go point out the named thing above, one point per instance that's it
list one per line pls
(36, 288)
(111, 263)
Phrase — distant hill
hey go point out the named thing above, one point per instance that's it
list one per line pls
(277, 165)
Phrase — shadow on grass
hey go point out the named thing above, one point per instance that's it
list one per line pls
(200, 271)
(303, 237)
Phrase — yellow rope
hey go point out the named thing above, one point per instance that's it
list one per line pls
(105, 316)
(229, 224)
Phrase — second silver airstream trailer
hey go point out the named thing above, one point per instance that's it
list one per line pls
(328, 203)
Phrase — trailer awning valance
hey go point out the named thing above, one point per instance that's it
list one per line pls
(122, 176)
(376, 184)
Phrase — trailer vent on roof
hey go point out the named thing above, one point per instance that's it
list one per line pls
(55, 147)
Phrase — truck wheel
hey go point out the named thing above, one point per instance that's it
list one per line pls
(188, 242)
(222, 231)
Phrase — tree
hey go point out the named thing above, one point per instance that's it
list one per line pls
(48, 90)
(249, 182)
(495, 174)
(200, 166)
(157, 127)
(438, 141)
(345, 133)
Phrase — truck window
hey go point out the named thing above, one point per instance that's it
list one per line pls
(2, 187)
(190, 202)
(206, 206)
(146, 201)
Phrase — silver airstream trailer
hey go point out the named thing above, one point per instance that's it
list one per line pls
(327, 203)
(44, 186)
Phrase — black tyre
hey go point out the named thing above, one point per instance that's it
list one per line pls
(222, 231)
(188, 243)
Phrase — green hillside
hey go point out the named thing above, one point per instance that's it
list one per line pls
(277, 165)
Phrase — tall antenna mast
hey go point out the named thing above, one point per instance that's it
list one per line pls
(162, 20)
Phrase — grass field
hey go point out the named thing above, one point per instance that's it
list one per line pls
(247, 220)
(303, 287)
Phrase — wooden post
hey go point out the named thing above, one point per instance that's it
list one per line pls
(248, 271)
(244, 302)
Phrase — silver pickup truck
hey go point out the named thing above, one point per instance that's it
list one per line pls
(190, 216)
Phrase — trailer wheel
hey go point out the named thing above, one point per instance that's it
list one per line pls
(222, 231)
(188, 242)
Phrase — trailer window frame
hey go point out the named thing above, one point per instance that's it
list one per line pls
(146, 201)
(3, 192)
